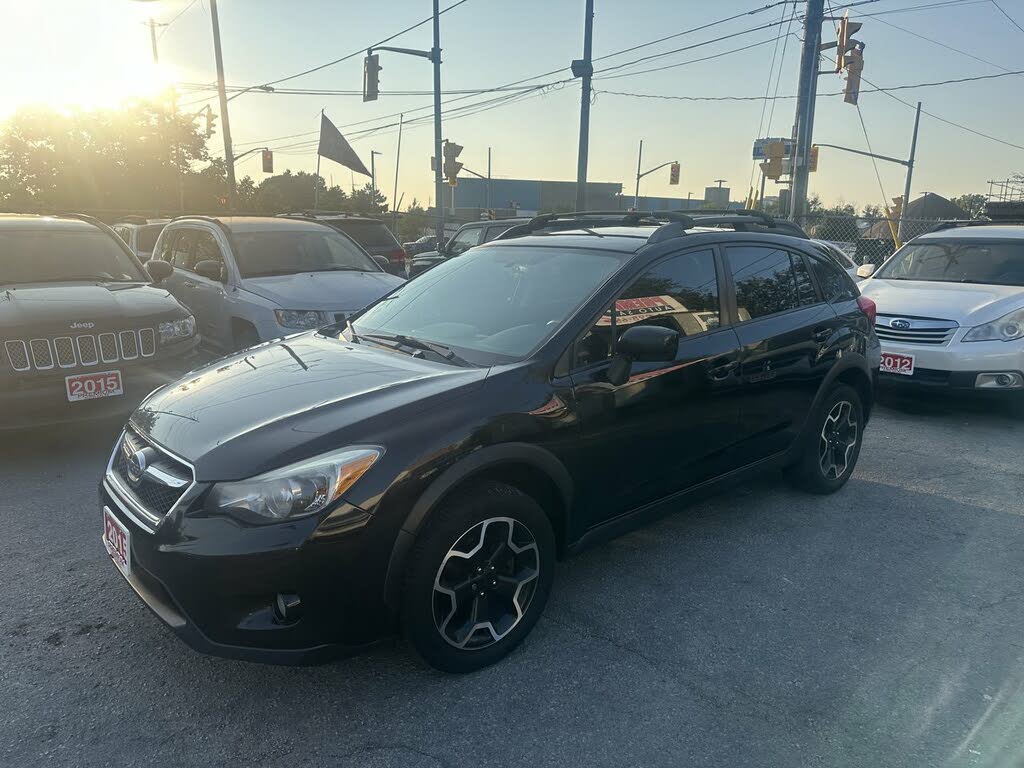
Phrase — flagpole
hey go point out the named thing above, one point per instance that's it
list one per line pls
(316, 181)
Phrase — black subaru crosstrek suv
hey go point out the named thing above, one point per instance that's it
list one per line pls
(425, 465)
(84, 333)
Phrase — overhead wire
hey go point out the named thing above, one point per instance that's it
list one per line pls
(1008, 16)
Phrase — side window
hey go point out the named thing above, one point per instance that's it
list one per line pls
(205, 248)
(181, 248)
(768, 281)
(464, 240)
(492, 232)
(835, 283)
(680, 293)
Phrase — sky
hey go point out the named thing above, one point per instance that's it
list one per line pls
(91, 53)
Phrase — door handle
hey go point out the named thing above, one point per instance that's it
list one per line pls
(821, 334)
(722, 371)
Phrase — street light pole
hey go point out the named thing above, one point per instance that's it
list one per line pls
(373, 176)
(225, 124)
(584, 69)
(910, 175)
(435, 57)
(639, 159)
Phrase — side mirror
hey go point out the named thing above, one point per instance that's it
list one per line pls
(641, 344)
(865, 270)
(159, 270)
(210, 269)
(382, 262)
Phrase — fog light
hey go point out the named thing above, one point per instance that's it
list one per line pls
(1007, 380)
(287, 608)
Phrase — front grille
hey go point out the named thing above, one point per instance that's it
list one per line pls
(42, 358)
(156, 497)
(916, 330)
(68, 352)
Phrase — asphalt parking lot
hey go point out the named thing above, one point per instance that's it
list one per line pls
(883, 626)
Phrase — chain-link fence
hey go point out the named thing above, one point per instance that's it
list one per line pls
(866, 240)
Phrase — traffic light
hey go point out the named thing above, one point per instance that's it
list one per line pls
(371, 77)
(209, 121)
(673, 174)
(854, 66)
(812, 159)
(451, 167)
(844, 43)
(268, 161)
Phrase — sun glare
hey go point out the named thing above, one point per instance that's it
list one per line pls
(59, 54)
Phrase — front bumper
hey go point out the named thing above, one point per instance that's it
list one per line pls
(215, 583)
(39, 398)
(958, 365)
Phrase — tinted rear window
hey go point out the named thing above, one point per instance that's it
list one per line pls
(369, 234)
(41, 256)
(147, 237)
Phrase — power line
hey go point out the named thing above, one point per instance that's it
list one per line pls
(1008, 16)
(181, 13)
(683, 63)
(943, 45)
(778, 77)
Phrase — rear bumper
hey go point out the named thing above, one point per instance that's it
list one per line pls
(37, 399)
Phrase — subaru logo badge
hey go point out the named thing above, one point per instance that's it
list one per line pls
(899, 323)
(136, 464)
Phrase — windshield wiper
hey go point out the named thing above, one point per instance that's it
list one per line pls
(445, 353)
(340, 268)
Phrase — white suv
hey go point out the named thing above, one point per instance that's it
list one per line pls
(951, 308)
(249, 279)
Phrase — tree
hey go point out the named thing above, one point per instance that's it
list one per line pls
(972, 204)
(413, 223)
(872, 211)
(368, 200)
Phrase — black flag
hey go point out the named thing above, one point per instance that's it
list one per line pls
(334, 147)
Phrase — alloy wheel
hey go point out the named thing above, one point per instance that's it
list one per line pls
(839, 435)
(485, 583)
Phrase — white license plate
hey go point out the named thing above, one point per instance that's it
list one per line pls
(894, 362)
(89, 386)
(118, 541)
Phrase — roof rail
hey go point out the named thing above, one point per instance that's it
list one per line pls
(957, 223)
(131, 219)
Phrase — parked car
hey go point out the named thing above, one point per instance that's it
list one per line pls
(139, 234)
(426, 466)
(420, 245)
(951, 309)
(841, 258)
(84, 332)
(249, 279)
(469, 235)
(372, 235)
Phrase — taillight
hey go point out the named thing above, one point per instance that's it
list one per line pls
(868, 307)
(397, 257)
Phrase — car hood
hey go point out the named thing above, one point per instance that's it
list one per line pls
(293, 398)
(52, 309)
(322, 290)
(966, 303)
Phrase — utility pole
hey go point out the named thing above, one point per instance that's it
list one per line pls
(152, 38)
(760, 200)
(639, 159)
(225, 127)
(806, 93)
(394, 197)
(584, 69)
(910, 175)
(435, 57)
(373, 176)
(488, 206)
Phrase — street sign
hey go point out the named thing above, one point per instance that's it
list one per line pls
(761, 144)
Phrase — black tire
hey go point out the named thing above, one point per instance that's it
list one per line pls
(433, 616)
(817, 470)
(245, 337)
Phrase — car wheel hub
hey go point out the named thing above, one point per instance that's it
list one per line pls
(839, 435)
(485, 583)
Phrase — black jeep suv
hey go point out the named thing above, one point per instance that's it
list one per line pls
(423, 466)
(83, 332)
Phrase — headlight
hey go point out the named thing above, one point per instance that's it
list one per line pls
(178, 329)
(296, 490)
(300, 318)
(1007, 328)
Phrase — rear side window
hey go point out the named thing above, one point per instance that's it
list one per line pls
(369, 234)
(768, 281)
(147, 237)
(834, 282)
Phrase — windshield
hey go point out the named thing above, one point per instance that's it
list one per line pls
(48, 256)
(288, 252)
(494, 303)
(980, 261)
(369, 234)
(147, 237)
